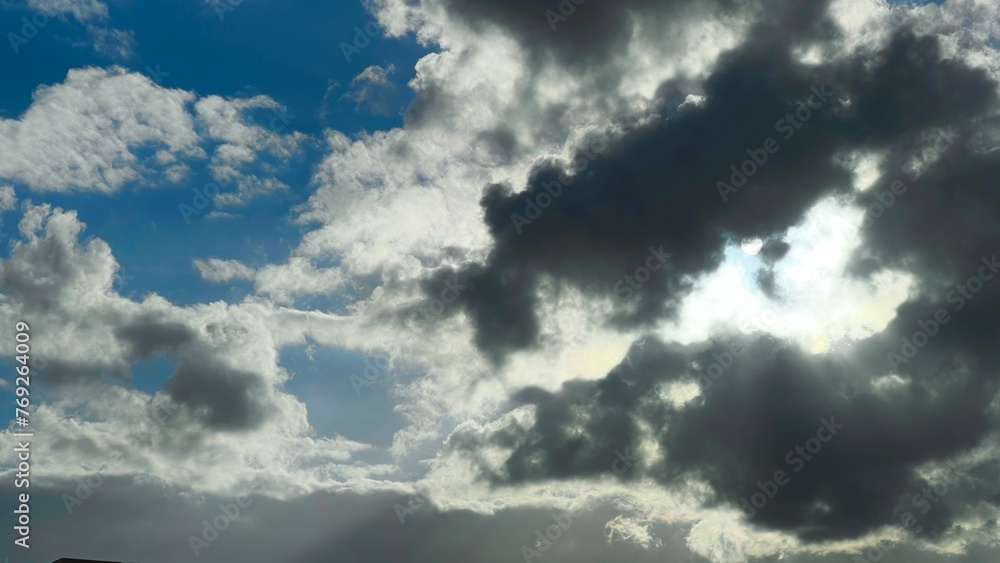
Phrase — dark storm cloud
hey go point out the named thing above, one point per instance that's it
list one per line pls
(649, 193)
(655, 189)
(579, 429)
(225, 398)
(756, 414)
(501, 307)
(657, 185)
(759, 403)
(911, 89)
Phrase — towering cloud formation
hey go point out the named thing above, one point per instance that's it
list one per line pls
(749, 160)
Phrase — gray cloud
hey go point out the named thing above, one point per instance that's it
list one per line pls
(657, 185)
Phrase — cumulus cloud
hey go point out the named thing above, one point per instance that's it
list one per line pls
(82, 10)
(84, 133)
(243, 144)
(102, 130)
(7, 198)
(223, 270)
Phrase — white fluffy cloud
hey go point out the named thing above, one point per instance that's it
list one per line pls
(282, 282)
(244, 143)
(86, 132)
(7, 198)
(102, 130)
(82, 10)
